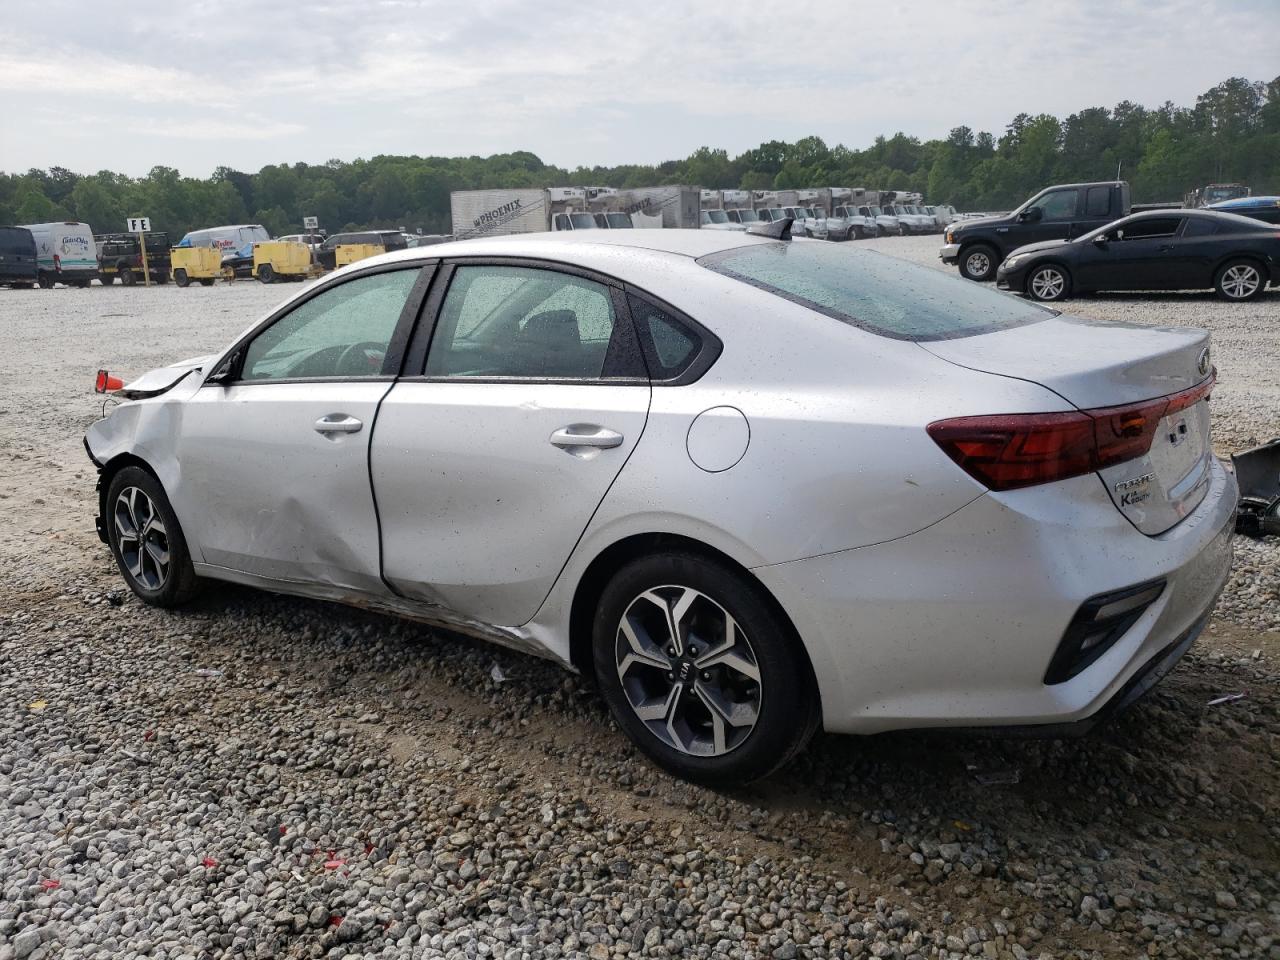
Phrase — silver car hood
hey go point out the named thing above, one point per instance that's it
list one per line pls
(157, 381)
(1090, 363)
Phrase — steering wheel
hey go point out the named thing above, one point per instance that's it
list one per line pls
(368, 347)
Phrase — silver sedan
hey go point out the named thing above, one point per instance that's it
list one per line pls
(755, 487)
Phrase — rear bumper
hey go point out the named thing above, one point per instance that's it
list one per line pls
(955, 626)
(949, 253)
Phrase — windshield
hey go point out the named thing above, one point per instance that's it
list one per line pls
(716, 216)
(617, 220)
(775, 213)
(875, 292)
(748, 216)
(809, 212)
(581, 221)
(877, 212)
(1218, 194)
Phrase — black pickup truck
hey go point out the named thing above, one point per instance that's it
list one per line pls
(1055, 213)
(120, 257)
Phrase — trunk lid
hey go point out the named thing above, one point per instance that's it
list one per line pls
(1094, 364)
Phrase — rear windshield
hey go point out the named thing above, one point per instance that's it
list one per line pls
(876, 292)
(16, 240)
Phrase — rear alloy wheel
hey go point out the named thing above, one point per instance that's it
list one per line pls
(978, 263)
(1048, 283)
(147, 541)
(700, 671)
(1240, 280)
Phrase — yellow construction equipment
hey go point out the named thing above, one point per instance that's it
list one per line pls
(345, 253)
(281, 260)
(203, 264)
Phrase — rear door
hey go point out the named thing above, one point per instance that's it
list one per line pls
(489, 463)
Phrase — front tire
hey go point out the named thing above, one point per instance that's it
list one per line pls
(147, 540)
(1049, 283)
(700, 671)
(978, 263)
(1240, 280)
(106, 279)
(266, 273)
(127, 277)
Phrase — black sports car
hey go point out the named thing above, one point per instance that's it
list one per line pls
(1153, 250)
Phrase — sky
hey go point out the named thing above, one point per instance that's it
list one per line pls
(133, 85)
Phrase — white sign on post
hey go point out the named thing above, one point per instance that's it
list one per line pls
(139, 224)
(310, 223)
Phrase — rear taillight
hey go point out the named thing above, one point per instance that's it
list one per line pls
(1014, 450)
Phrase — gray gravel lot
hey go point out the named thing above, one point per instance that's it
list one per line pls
(271, 777)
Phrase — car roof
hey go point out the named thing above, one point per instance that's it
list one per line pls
(1201, 213)
(573, 244)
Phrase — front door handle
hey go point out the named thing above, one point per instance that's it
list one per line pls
(338, 423)
(1164, 247)
(578, 438)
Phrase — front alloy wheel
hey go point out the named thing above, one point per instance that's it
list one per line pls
(1048, 283)
(141, 538)
(688, 671)
(701, 669)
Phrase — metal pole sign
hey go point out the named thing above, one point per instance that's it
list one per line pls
(142, 226)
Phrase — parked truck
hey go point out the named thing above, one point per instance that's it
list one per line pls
(1215, 193)
(1060, 212)
(481, 213)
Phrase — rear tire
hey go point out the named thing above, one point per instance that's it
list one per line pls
(207, 282)
(978, 263)
(45, 281)
(106, 279)
(664, 692)
(147, 541)
(127, 277)
(1049, 283)
(180, 277)
(1240, 280)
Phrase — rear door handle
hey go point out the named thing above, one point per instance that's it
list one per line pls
(338, 423)
(585, 435)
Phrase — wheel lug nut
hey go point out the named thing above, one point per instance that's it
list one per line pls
(706, 676)
(671, 651)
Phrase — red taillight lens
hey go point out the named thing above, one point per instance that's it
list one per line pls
(1014, 450)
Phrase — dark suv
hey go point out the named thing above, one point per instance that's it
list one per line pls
(17, 257)
(389, 240)
(119, 255)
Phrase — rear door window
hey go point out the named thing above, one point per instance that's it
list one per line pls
(1097, 202)
(878, 293)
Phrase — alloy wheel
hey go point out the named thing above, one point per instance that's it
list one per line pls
(1048, 284)
(1241, 281)
(688, 671)
(141, 538)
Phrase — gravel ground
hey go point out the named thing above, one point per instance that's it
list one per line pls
(271, 777)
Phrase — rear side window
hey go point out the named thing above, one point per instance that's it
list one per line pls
(1097, 202)
(878, 293)
(1199, 227)
(671, 346)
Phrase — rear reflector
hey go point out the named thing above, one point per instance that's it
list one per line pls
(1014, 450)
(1099, 623)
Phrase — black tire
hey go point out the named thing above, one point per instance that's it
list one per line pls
(160, 278)
(1049, 283)
(106, 279)
(783, 698)
(82, 284)
(45, 281)
(266, 273)
(207, 282)
(1240, 280)
(161, 584)
(127, 277)
(180, 277)
(978, 262)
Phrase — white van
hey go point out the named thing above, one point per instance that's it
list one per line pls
(65, 253)
(227, 238)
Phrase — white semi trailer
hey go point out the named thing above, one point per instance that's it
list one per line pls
(492, 213)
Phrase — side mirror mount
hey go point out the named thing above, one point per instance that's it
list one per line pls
(222, 374)
(1100, 240)
(1031, 215)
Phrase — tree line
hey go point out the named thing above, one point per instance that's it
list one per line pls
(1232, 133)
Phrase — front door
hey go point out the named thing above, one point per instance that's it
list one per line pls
(1139, 255)
(1058, 212)
(489, 466)
(275, 475)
